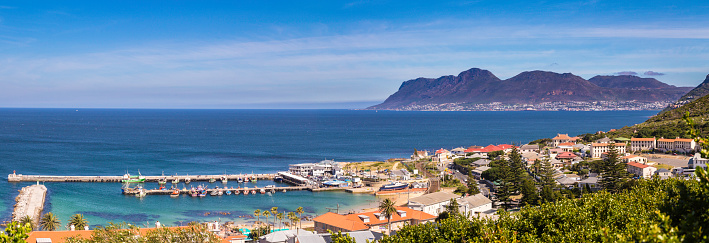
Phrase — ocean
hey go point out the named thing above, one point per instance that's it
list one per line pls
(113, 141)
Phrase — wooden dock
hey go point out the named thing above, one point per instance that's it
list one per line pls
(51, 178)
(209, 191)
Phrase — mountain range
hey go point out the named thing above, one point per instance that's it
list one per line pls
(476, 86)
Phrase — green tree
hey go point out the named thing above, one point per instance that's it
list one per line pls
(387, 209)
(279, 216)
(452, 207)
(291, 218)
(28, 220)
(339, 237)
(49, 222)
(472, 184)
(530, 196)
(517, 168)
(506, 188)
(274, 212)
(613, 171)
(78, 221)
(300, 212)
(257, 214)
(16, 232)
(266, 214)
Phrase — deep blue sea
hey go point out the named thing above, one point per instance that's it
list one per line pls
(113, 141)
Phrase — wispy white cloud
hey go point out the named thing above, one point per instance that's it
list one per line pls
(326, 68)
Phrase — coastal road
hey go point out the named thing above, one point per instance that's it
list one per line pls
(463, 178)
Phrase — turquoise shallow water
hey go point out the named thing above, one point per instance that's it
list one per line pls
(109, 142)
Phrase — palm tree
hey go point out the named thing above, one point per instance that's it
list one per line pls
(274, 211)
(78, 221)
(27, 220)
(279, 216)
(257, 214)
(300, 212)
(266, 214)
(50, 222)
(387, 209)
(292, 217)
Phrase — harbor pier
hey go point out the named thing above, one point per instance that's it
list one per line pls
(30, 202)
(52, 178)
(209, 191)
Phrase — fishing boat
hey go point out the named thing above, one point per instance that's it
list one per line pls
(141, 192)
(278, 179)
(203, 193)
(187, 180)
(240, 180)
(175, 193)
(253, 192)
(162, 181)
(127, 178)
(212, 180)
(224, 179)
(228, 192)
(220, 192)
(284, 190)
(237, 192)
(176, 180)
(253, 177)
(394, 186)
(263, 191)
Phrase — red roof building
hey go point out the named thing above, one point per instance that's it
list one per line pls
(369, 220)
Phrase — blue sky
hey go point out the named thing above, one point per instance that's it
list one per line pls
(325, 54)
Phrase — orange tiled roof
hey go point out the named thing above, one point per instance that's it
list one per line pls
(639, 165)
(374, 220)
(566, 155)
(341, 221)
(666, 140)
(353, 222)
(686, 140)
(567, 144)
(642, 139)
(606, 144)
(560, 136)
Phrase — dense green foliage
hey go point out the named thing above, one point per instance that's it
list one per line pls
(655, 210)
(50, 222)
(16, 232)
(125, 233)
(613, 171)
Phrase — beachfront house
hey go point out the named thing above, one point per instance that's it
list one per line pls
(418, 154)
(373, 220)
(642, 144)
(460, 151)
(433, 203)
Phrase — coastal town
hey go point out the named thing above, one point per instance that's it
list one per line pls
(420, 189)
(543, 106)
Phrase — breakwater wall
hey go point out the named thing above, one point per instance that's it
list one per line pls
(30, 202)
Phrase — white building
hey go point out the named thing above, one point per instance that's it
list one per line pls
(475, 204)
(304, 169)
(634, 158)
(561, 138)
(642, 144)
(698, 161)
(433, 203)
(641, 170)
(597, 149)
(684, 145)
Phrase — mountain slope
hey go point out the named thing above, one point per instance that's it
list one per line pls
(477, 86)
(698, 92)
(628, 82)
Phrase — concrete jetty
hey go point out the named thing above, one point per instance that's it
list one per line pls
(240, 191)
(52, 178)
(30, 202)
